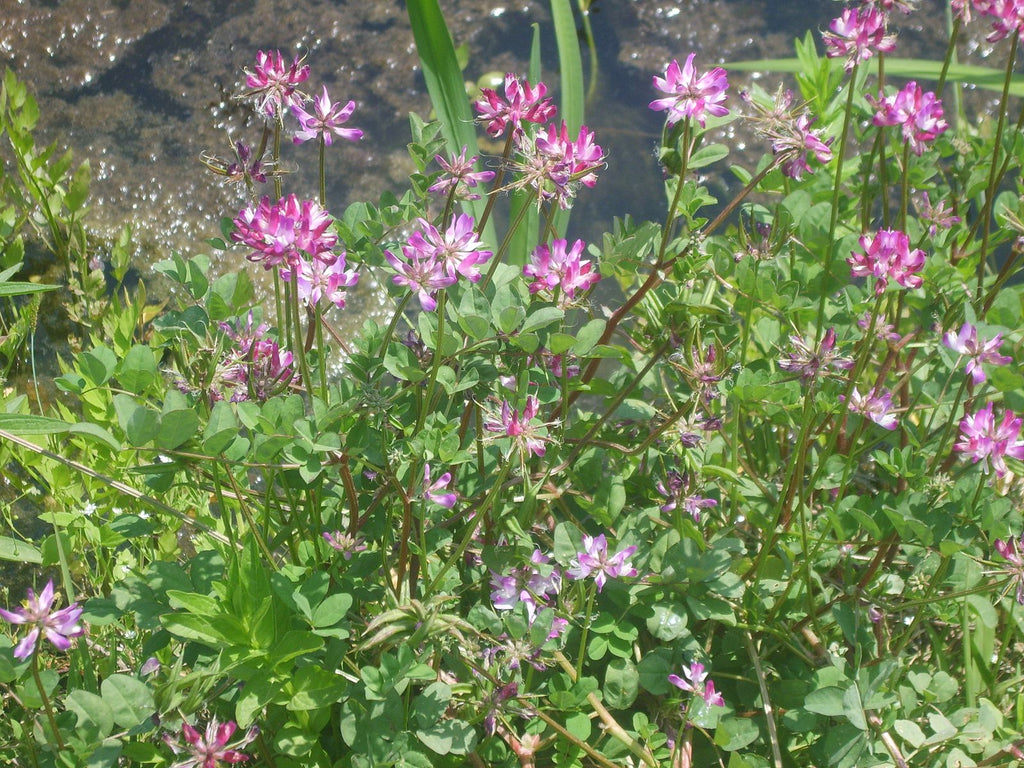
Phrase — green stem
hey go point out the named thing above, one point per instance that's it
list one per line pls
(323, 172)
(47, 706)
(436, 363)
(581, 654)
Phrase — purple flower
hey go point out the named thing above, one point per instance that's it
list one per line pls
(555, 268)
(318, 279)
(423, 272)
(38, 615)
(257, 369)
(325, 121)
(689, 95)
(696, 682)
(876, 406)
(272, 85)
(594, 561)
(435, 491)
(919, 114)
(345, 543)
(887, 256)
(1008, 14)
(983, 440)
(522, 103)
(210, 749)
(810, 362)
(858, 34)
(525, 437)
(459, 176)
(937, 216)
(533, 586)
(978, 351)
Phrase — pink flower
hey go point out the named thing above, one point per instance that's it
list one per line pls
(345, 543)
(435, 491)
(1012, 551)
(459, 176)
(522, 103)
(272, 85)
(985, 441)
(534, 586)
(919, 115)
(696, 682)
(257, 369)
(1008, 15)
(318, 279)
(936, 216)
(458, 248)
(555, 268)
(210, 749)
(279, 232)
(423, 272)
(689, 95)
(325, 121)
(887, 255)
(594, 561)
(858, 34)
(38, 615)
(525, 437)
(799, 144)
(876, 406)
(810, 362)
(967, 343)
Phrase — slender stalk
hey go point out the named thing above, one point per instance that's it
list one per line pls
(47, 706)
(323, 172)
(581, 654)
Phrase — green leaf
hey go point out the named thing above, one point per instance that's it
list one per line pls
(453, 737)
(733, 733)
(95, 717)
(541, 318)
(312, 687)
(826, 701)
(668, 622)
(138, 369)
(13, 288)
(621, 684)
(177, 427)
(140, 424)
(570, 65)
(588, 336)
(707, 155)
(130, 700)
(28, 424)
(221, 429)
(19, 551)
(78, 189)
(98, 365)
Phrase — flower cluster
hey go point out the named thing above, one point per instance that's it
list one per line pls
(982, 439)
(887, 256)
(435, 491)
(279, 233)
(918, 113)
(533, 586)
(809, 362)
(272, 84)
(1013, 552)
(689, 95)
(524, 434)
(1008, 16)
(38, 616)
(554, 165)
(594, 560)
(522, 103)
(459, 176)
(696, 681)
(876, 406)
(858, 34)
(675, 489)
(257, 368)
(324, 121)
(791, 137)
(211, 748)
(560, 270)
(978, 351)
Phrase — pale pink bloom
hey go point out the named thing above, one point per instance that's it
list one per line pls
(858, 34)
(459, 176)
(904, 6)
(1008, 15)
(695, 680)
(210, 749)
(798, 144)
(689, 95)
(978, 351)
(524, 434)
(876, 406)
(981, 439)
(345, 543)
(38, 616)
(325, 121)
(272, 85)
(884, 331)
(557, 165)
(961, 10)
(555, 268)
(436, 491)
(810, 362)
(522, 103)
(887, 256)
(317, 279)
(918, 113)
(257, 369)
(595, 561)
(534, 586)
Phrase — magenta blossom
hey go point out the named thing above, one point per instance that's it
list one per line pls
(918, 113)
(278, 233)
(555, 268)
(524, 433)
(875, 406)
(272, 85)
(594, 561)
(887, 256)
(317, 279)
(436, 491)
(800, 144)
(810, 362)
(211, 749)
(696, 682)
(689, 95)
(858, 34)
(38, 615)
(1013, 551)
(257, 369)
(422, 272)
(534, 586)
(522, 103)
(978, 351)
(936, 216)
(458, 249)
(1008, 15)
(981, 439)
(325, 121)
